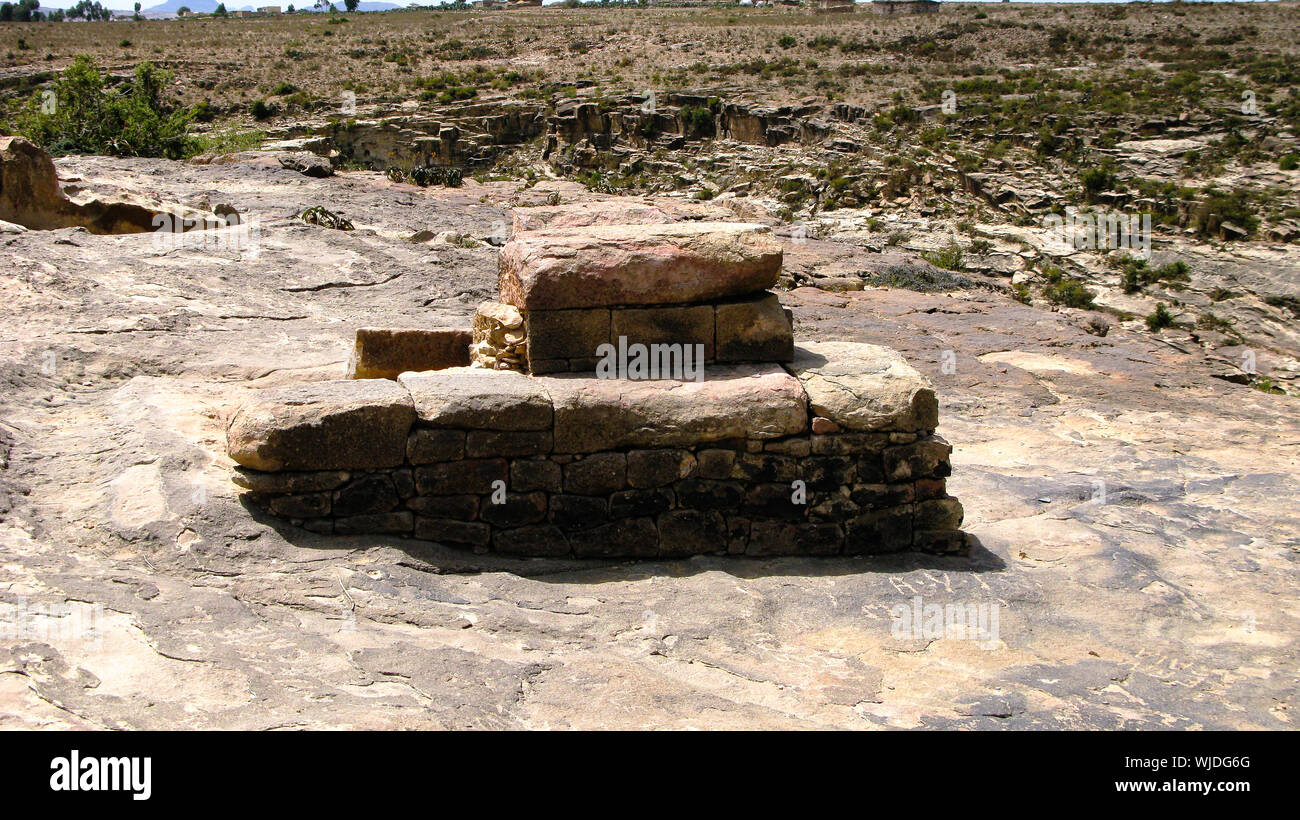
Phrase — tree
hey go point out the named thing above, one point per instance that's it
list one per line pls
(88, 10)
(133, 118)
(182, 10)
(351, 5)
(221, 11)
(24, 11)
(137, 16)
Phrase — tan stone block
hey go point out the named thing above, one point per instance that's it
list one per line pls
(385, 353)
(753, 330)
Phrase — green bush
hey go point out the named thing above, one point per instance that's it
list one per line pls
(787, 41)
(1136, 273)
(1160, 318)
(949, 257)
(131, 119)
(1066, 290)
(1289, 162)
(262, 110)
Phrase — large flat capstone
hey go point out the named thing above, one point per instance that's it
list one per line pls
(754, 401)
(334, 425)
(865, 387)
(479, 399)
(622, 265)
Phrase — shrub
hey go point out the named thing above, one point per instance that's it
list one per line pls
(1066, 290)
(1097, 179)
(262, 110)
(949, 257)
(426, 175)
(1289, 162)
(132, 119)
(787, 41)
(1160, 318)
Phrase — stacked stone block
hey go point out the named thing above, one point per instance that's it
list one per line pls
(823, 449)
(701, 284)
(576, 465)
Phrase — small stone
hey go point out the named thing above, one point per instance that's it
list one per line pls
(375, 524)
(938, 515)
(823, 426)
(578, 512)
(507, 443)
(629, 537)
(639, 503)
(655, 468)
(545, 540)
(460, 477)
(466, 533)
(713, 463)
(527, 475)
(794, 538)
(926, 458)
(430, 446)
(306, 505)
(515, 509)
(597, 474)
(372, 493)
(753, 330)
(691, 532)
(708, 494)
(455, 507)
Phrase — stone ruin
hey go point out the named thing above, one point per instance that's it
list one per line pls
(536, 433)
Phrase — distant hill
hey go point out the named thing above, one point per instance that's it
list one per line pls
(173, 6)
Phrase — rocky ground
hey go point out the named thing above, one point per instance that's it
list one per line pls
(1131, 510)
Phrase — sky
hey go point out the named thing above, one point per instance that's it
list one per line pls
(127, 5)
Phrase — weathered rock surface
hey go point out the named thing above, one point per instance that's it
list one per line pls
(581, 215)
(30, 196)
(324, 426)
(732, 401)
(1124, 503)
(609, 265)
(864, 387)
(615, 211)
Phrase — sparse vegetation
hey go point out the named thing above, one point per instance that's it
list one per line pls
(90, 115)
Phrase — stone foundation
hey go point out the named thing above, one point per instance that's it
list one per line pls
(847, 493)
(635, 392)
(755, 459)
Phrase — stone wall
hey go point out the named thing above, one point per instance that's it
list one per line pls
(832, 454)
